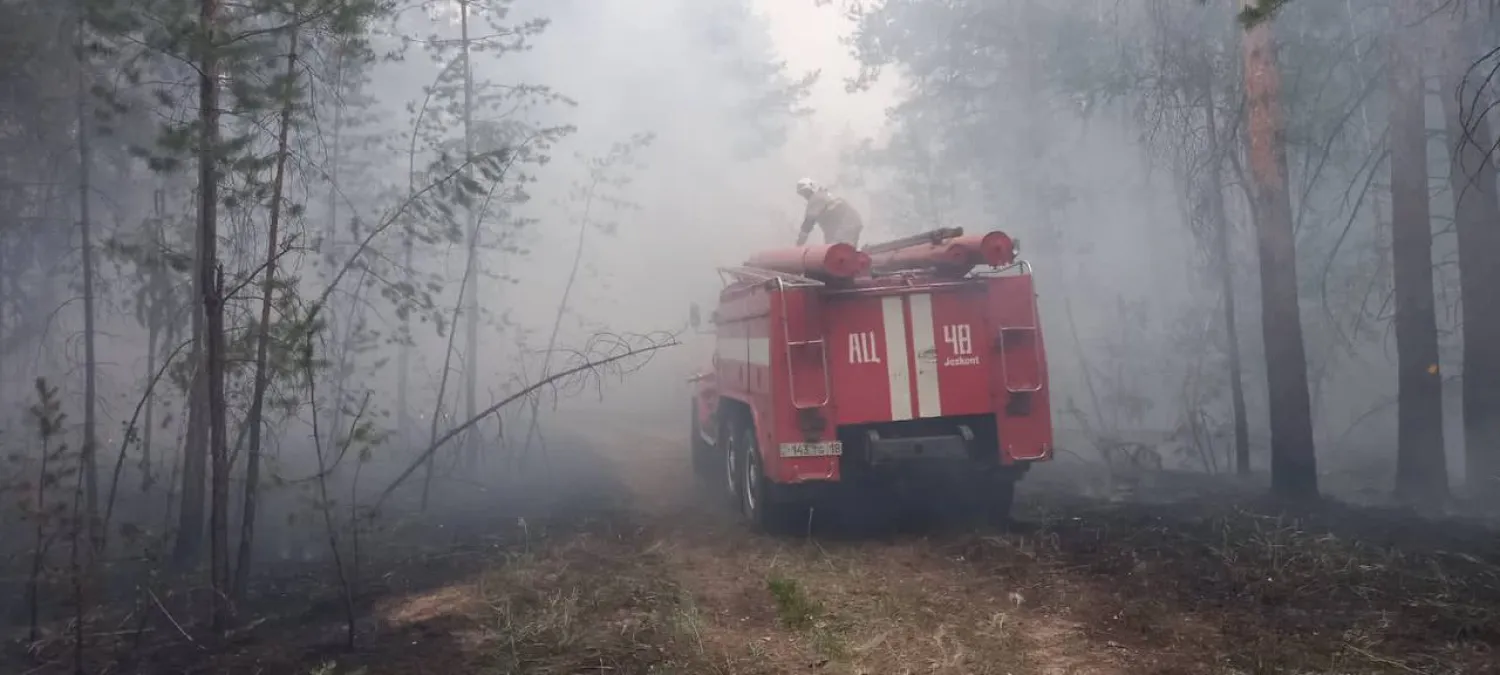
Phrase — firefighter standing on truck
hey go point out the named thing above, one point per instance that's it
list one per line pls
(839, 220)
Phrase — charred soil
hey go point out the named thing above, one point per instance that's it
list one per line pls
(630, 565)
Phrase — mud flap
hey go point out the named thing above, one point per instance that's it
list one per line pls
(990, 495)
(704, 465)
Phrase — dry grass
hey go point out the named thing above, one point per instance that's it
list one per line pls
(865, 607)
(672, 585)
(1089, 587)
(589, 603)
(1206, 586)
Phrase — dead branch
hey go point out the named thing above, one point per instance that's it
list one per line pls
(114, 482)
(442, 392)
(172, 620)
(590, 365)
(323, 504)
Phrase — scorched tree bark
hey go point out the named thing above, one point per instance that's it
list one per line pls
(1421, 470)
(1294, 471)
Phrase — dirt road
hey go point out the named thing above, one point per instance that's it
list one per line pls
(1084, 586)
(894, 604)
(662, 579)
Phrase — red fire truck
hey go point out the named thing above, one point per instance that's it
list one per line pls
(835, 366)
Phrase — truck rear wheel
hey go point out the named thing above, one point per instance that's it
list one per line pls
(758, 503)
(729, 441)
(755, 491)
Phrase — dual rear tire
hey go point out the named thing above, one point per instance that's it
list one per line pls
(734, 464)
(749, 493)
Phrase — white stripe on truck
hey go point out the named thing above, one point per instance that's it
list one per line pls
(924, 347)
(754, 351)
(897, 370)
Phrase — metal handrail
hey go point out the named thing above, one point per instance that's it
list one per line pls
(791, 378)
(764, 275)
(1034, 327)
(930, 237)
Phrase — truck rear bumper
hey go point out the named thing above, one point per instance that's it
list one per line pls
(950, 447)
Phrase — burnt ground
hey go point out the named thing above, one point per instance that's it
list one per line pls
(623, 563)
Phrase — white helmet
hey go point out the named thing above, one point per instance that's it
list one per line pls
(806, 185)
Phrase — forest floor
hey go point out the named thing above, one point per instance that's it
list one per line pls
(633, 566)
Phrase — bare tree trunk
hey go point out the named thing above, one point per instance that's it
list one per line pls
(194, 462)
(4, 382)
(211, 278)
(76, 556)
(1472, 177)
(1294, 471)
(341, 366)
(153, 331)
(90, 363)
(154, 327)
(263, 338)
(324, 505)
(409, 233)
(403, 358)
(189, 543)
(39, 553)
(442, 392)
(471, 327)
(1421, 467)
(1222, 232)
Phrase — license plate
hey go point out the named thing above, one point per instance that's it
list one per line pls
(824, 449)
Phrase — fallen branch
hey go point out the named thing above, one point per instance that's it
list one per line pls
(481, 415)
(167, 614)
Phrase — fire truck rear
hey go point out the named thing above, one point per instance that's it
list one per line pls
(836, 367)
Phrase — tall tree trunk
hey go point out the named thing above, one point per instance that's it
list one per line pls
(263, 336)
(4, 379)
(1472, 177)
(189, 544)
(442, 392)
(471, 328)
(1421, 470)
(212, 280)
(1222, 233)
(341, 365)
(403, 357)
(4, 375)
(153, 330)
(86, 231)
(1294, 470)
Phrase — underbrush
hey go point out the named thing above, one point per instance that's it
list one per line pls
(1248, 587)
(293, 618)
(590, 604)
